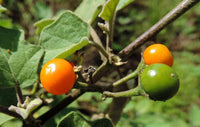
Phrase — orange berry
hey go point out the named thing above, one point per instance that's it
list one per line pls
(157, 53)
(57, 76)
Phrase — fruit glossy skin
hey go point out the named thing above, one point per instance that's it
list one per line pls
(57, 76)
(157, 53)
(159, 81)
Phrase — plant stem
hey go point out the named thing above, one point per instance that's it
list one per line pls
(101, 71)
(60, 106)
(95, 37)
(111, 30)
(19, 93)
(179, 10)
(138, 91)
(131, 75)
(126, 78)
(98, 44)
(100, 48)
(5, 110)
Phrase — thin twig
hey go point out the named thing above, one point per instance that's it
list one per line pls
(100, 49)
(60, 106)
(179, 10)
(128, 93)
(97, 43)
(131, 75)
(95, 37)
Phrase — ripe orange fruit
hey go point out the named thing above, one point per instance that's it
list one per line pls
(57, 76)
(157, 53)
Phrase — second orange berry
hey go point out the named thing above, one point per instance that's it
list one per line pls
(157, 53)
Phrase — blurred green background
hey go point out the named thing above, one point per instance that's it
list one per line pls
(182, 37)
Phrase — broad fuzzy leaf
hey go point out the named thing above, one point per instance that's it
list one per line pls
(4, 118)
(64, 36)
(19, 60)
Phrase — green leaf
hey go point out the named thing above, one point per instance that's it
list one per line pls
(13, 123)
(19, 60)
(64, 36)
(123, 3)
(68, 51)
(94, 7)
(102, 123)
(2, 9)
(73, 119)
(109, 9)
(6, 23)
(24, 64)
(4, 118)
(41, 24)
(194, 115)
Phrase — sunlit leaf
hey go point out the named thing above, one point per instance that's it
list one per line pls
(2, 9)
(123, 3)
(88, 10)
(42, 23)
(109, 9)
(64, 36)
(4, 118)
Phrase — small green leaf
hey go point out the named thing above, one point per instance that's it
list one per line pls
(123, 3)
(13, 123)
(109, 9)
(102, 123)
(73, 119)
(2, 9)
(94, 7)
(6, 23)
(4, 118)
(42, 23)
(64, 36)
